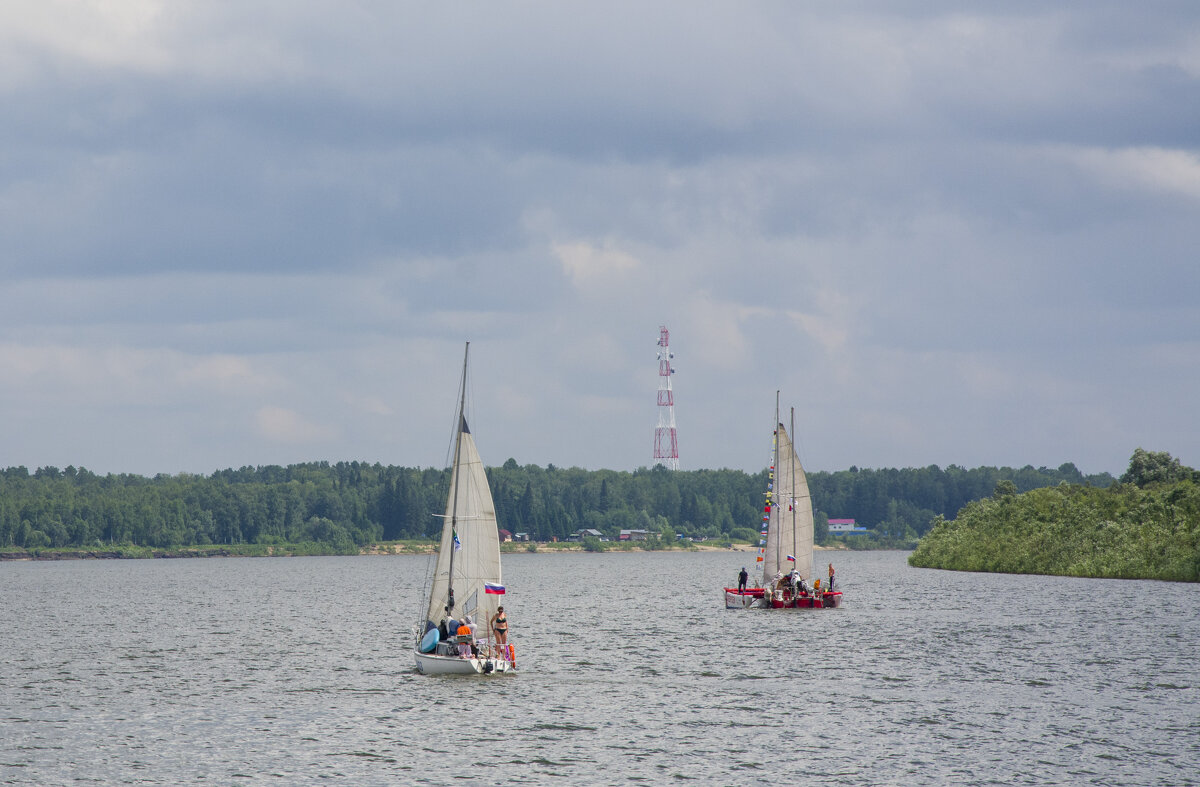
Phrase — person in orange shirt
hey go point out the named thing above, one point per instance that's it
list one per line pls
(466, 645)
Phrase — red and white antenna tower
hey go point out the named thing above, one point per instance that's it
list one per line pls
(666, 448)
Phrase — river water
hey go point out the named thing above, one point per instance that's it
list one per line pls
(298, 671)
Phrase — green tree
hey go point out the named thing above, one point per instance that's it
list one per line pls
(1154, 467)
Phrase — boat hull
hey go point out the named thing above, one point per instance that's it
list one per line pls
(743, 599)
(826, 600)
(756, 598)
(432, 664)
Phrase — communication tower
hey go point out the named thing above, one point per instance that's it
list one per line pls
(666, 447)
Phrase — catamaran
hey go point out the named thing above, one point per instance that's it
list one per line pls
(785, 554)
(466, 590)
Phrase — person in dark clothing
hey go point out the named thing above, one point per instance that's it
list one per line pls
(742, 577)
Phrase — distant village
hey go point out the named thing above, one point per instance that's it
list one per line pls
(580, 535)
(837, 527)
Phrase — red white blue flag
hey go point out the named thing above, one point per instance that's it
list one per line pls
(489, 587)
(791, 558)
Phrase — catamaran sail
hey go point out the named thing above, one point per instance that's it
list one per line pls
(466, 576)
(790, 525)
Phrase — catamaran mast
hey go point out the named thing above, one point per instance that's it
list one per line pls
(775, 497)
(792, 480)
(462, 402)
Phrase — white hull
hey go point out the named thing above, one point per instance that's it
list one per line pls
(430, 664)
(734, 600)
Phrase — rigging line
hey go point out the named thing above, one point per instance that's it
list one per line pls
(454, 472)
(448, 459)
(468, 395)
(429, 561)
(792, 481)
(457, 416)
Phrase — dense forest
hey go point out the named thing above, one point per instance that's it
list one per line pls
(1146, 526)
(347, 505)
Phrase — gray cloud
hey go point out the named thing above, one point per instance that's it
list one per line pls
(251, 233)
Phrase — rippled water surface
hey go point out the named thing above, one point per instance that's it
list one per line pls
(298, 671)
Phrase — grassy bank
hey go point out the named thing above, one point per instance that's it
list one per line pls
(1123, 532)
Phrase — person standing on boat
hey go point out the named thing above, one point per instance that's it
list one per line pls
(742, 577)
(830, 587)
(500, 626)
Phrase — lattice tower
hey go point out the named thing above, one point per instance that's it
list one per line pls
(666, 446)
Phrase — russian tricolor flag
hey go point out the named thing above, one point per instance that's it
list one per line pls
(791, 558)
(489, 587)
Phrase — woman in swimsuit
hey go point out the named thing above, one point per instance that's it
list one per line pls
(500, 626)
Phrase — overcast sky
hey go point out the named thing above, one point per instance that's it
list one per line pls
(259, 232)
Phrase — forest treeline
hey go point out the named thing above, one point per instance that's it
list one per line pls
(1147, 526)
(346, 505)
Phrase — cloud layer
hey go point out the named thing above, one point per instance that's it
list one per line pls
(251, 233)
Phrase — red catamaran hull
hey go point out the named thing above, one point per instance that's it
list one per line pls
(825, 600)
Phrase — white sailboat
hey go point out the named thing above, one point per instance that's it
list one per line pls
(466, 579)
(788, 539)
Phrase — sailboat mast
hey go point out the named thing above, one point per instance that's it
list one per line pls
(462, 402)
(775, 501)
(792, 477)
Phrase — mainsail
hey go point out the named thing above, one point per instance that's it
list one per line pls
(469, 555)
(790, 520)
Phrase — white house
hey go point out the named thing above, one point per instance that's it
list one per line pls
(845, 527)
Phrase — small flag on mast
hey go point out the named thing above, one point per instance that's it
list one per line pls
(491, 587)
(457, 543)
(791, 558)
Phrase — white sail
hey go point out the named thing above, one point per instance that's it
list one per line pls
(790, 524)
(471, 514)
